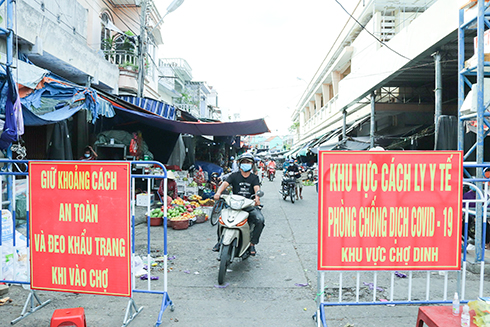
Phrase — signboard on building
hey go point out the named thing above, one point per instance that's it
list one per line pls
(79, 227)
(390, 210)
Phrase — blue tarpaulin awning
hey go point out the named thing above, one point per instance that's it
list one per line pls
(157, 107)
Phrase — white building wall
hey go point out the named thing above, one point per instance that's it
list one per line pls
(440, 20)
(371, 63)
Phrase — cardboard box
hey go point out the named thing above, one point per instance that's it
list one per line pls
(142, 199)
(486, 42)
(473, 61)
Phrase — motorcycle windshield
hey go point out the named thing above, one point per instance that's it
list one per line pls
(238, 202)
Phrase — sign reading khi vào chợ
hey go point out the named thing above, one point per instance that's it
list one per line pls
(80, 227)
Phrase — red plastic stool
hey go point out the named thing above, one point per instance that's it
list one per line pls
(68, 317)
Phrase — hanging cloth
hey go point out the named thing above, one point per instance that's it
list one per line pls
(9, 133)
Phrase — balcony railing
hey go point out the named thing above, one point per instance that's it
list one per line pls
(320, 116)
(124, 59)
(190, 108)
(179, 66)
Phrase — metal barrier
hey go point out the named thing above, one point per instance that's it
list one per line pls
(357, 294)
(33, 303)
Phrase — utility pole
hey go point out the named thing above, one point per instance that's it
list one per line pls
(142, 48)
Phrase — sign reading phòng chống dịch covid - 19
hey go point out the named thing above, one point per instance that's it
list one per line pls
(390, 210)
(79, 227)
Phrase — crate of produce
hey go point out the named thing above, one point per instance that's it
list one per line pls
(156, 217)
(200, 218)
(207, 210)
(200, 215)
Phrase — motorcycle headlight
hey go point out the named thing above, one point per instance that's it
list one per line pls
(236, 204)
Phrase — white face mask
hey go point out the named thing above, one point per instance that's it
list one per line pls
(87, 155)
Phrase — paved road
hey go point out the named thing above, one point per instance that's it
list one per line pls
(261, 291)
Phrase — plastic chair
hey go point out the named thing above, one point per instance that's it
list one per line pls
(68, 317)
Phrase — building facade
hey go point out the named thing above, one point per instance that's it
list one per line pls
(382, 65)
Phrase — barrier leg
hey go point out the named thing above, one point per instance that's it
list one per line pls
(130, 314)
(165, 303)
(33, 303)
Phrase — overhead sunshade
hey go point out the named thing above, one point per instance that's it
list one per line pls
(249, 127)
(351, 145)
(31, 119)
(157, 107)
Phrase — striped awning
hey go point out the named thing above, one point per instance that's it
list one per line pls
(162, 109)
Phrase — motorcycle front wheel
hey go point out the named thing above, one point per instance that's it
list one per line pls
(224, 261)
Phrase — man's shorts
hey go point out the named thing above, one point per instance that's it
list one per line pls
(299, 183)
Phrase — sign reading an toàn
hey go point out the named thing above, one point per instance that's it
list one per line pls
(390, 210)
(79, 227)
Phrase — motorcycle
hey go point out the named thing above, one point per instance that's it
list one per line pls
(288, 185)
(312, 173)
(271, 173)
(234, 231)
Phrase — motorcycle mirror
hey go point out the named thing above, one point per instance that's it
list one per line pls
(260, 193)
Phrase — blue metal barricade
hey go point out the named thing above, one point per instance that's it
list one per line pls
(11, 263)
(347, 294)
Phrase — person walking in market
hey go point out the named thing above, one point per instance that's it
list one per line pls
(246, 184)
(234, 165)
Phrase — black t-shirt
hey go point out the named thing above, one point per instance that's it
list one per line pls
(241, 185)
(294, 167)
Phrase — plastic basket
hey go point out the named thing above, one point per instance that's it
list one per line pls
(180, 224)
(200, 218)
(156, 221)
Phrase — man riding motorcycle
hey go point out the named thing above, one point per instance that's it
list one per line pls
(271, 167)
(246, 184)
(294, 168)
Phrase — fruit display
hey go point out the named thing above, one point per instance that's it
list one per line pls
(198, 212)
(178, 201)
(195, 197)
(182, 211)
(156, 213)
(207, 202)
(174, 212)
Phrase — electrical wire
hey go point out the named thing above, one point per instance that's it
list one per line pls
(56, 16)
(122, 20)
(124, 7)
(364, 28)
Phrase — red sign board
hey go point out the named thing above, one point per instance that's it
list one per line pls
(390, 210)
(79, 227)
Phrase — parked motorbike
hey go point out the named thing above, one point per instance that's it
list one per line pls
(288, 185)
(312, 173)
(271, 173)
(234, 231)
